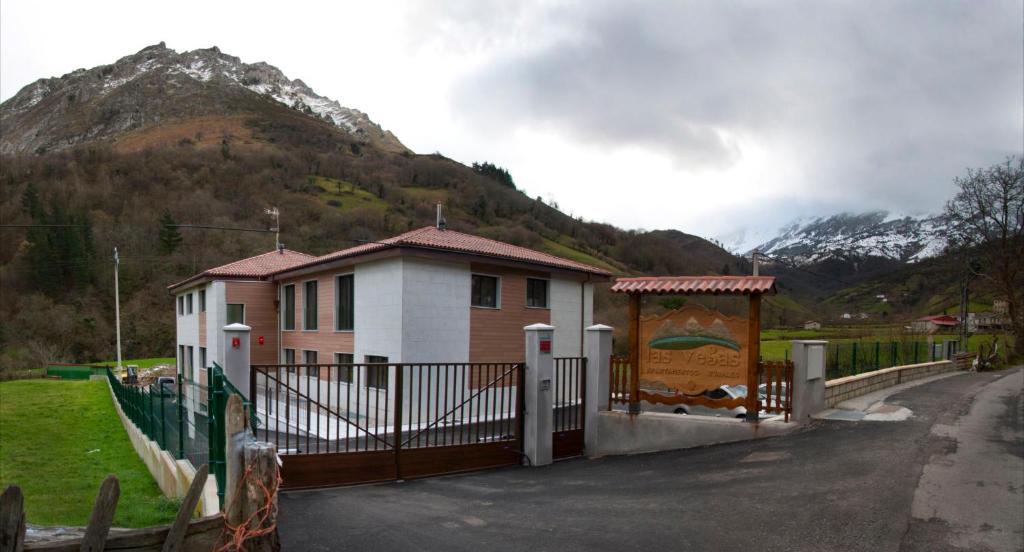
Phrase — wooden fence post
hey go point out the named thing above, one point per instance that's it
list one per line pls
(252, 482)
(176, 535)
(234, 437)
(12, 520)
(102, 515)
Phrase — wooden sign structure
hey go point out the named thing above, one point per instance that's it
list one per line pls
(694, 348)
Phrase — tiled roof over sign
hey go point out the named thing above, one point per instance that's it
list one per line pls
(431, 237)
(258, 267)
(684, 285)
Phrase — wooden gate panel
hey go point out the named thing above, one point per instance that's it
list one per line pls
(427, 461)
(305, 471)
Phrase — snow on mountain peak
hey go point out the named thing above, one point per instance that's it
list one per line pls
(892, 235)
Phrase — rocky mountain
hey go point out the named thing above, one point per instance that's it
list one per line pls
(105, 157)
(852, 237)
(157, 86)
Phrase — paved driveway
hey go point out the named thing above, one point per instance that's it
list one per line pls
(836, 485)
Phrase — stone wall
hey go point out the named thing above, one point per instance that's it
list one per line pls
(839, 390)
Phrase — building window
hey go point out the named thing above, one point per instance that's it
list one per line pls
(309, 306)
(202, 300)
(288, 312)
(309, 358)
(344, 302)
(485, 291)
(181, 305)
(202, 357)
(536, 293)
(289, 359)
(181, 358)
(190, 362)
(377, 376)
(236, 313)
(344, 372)
(188, 304)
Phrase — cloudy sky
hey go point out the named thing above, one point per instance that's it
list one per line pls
(709, 117)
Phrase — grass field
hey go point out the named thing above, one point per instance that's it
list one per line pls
(58, 440)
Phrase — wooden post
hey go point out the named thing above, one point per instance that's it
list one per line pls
(753, 356)
(176, 534)
(102, 516)
(634, 353)
(260, 497)
(12, 520)
(234, 436)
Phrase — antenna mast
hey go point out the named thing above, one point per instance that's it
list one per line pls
(277, 225)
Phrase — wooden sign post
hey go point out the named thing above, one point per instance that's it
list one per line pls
(694, 349)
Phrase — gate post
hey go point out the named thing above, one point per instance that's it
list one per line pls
(236, 357)
(808, 393)
(538, 422)
(599, 354)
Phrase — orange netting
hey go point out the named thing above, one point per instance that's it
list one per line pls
(259, 523)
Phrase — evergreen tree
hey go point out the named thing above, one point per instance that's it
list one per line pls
(170, 238)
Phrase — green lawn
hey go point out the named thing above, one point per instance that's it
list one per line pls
(58, 440)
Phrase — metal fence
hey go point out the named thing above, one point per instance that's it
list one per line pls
(185, 418)
(856, 357)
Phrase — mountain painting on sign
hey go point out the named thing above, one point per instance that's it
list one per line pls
(692, 349)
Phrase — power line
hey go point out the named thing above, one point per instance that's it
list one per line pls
(205, 227)
(40, 226)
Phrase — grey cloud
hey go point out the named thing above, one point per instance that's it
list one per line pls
(883, 101)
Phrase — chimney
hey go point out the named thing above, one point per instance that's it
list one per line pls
(441, 223)
(280, 249)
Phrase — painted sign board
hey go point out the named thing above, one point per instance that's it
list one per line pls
(692, 349)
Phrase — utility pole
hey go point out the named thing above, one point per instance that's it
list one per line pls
(117, 310)
(277, 225)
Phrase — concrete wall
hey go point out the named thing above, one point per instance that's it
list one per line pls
(216, 318)
(566, 298)
(187, 328)
(172, 476)
(435, 311)
(622, 433)
(378, 309)
(839, 390)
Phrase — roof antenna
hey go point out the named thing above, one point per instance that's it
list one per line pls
(441, 222)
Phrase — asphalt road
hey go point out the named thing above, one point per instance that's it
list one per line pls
(947, 478)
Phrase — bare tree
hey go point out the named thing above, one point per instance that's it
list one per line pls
(987, 223)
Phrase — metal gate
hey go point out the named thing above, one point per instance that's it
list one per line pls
(340, 424)
(568, 394)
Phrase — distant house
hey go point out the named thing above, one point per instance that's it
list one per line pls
(812, 325)
(933, 324)
(847, 316)
(983, 321)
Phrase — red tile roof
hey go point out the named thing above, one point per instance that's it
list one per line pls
(715, 285)
(941, 320)
(431, 237)
(258, 267)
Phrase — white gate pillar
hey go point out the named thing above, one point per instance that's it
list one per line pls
(808, 378)
(599, 353)
(236, 356)
(538, 422)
